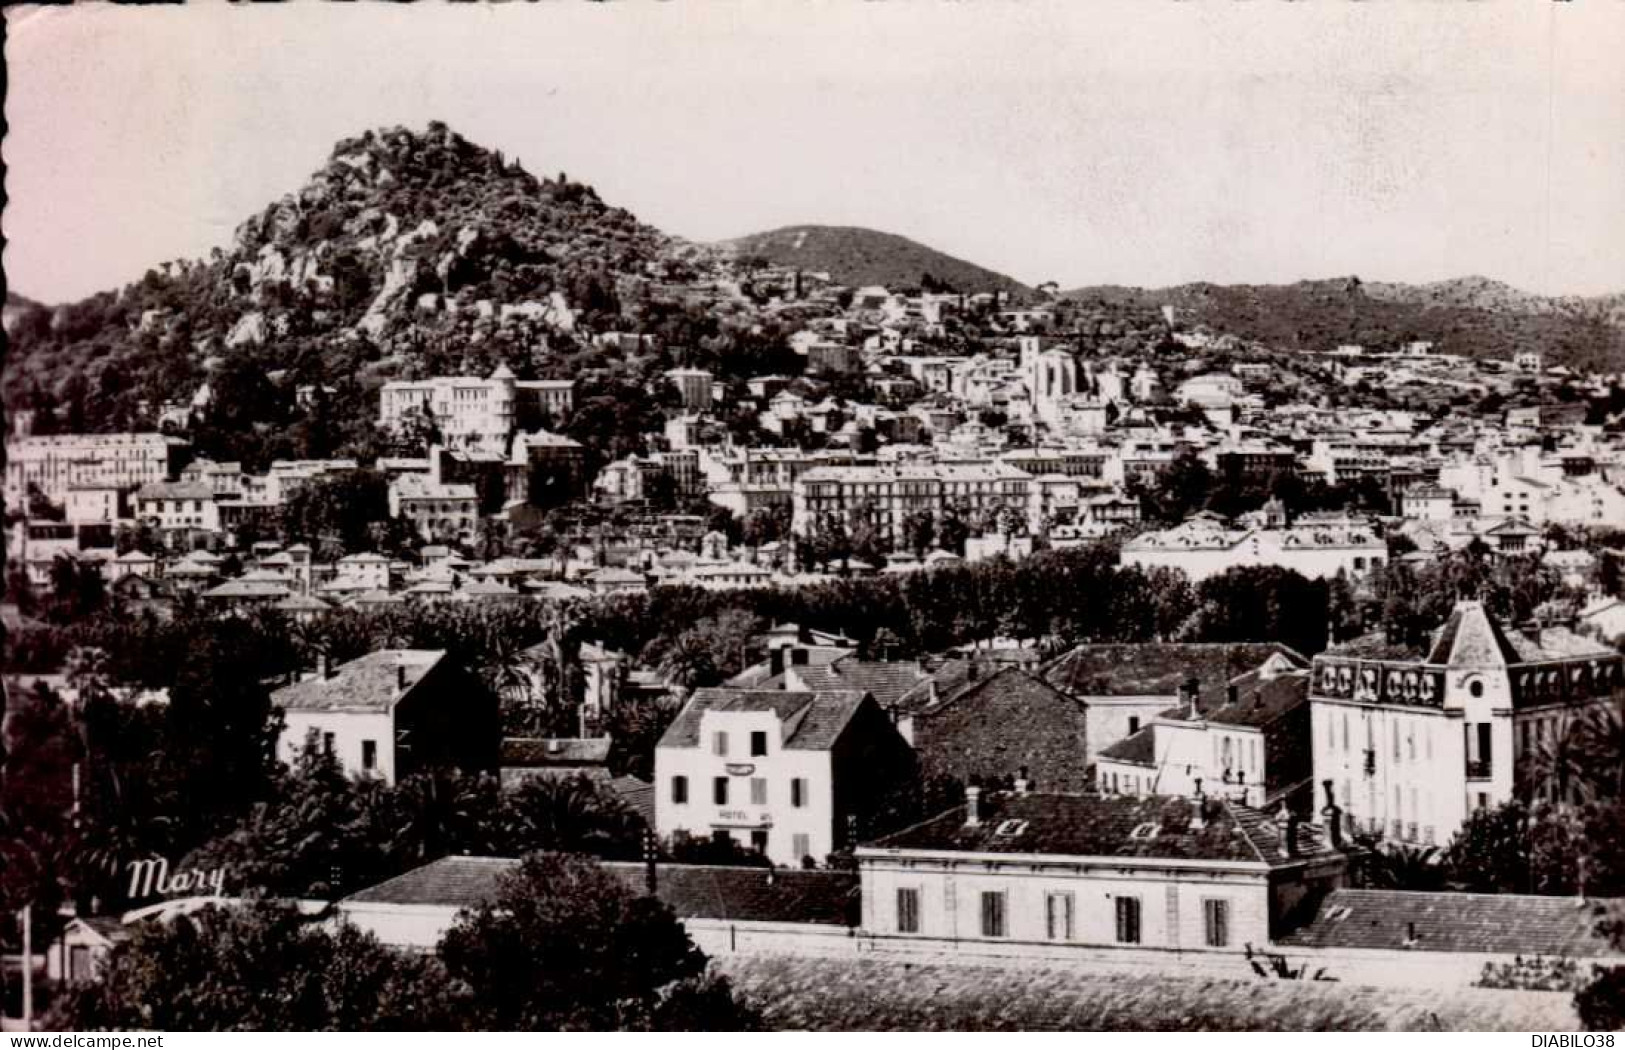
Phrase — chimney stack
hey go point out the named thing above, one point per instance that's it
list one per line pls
(973, 806)
(1292, 822)
(1198, 808)
(1332, 817)
(1190, 690)
(931, 691)
(1023, 785)
(324, 667)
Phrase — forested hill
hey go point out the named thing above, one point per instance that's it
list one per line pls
(1473, 317)
(407, 253)
(855, 256)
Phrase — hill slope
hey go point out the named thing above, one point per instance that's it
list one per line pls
(1473, 317)
(855, 256)
(407, 253)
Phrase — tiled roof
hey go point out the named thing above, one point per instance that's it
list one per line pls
(1259, 700)
(885, 680)
(1107, 826)
(692, 891)
(1157, 668)
(1138, 748)
(1500, 923)
(197, 490)
(1004, 681)
(248, 589)
(557, 751)
(638, 796)
(811, 720)
(369, 683)
(1472, 638)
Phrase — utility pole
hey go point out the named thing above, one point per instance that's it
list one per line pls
(28, 967)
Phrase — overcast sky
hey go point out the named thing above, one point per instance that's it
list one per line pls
(1148, 144)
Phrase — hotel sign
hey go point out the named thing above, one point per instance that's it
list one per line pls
(740, 769)
(1374, 682)
(151, 878)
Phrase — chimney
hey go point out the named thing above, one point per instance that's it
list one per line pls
(1023, 785)
(1332, 817)
(400, 676)
(931, 691)
(1190, 690)
(1292, 821)
(651, 871)
(973, 806)
(324, 667)
(775, 660)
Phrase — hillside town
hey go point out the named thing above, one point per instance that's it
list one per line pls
(1226, 792)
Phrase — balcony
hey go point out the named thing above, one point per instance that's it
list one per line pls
(1478, 769)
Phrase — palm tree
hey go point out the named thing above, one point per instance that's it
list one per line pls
(1558, 768)
(1602, 742)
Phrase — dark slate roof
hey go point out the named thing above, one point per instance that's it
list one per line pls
(885, 680)
(1259, 700)
(1471, 637)
(1139, 748)
(1500, 923)
(368, 683)
(638, 795)
(1008, 680)
(1108, 826)
(810, 721)
(1157, 668)
(525, 751)
(693, 891)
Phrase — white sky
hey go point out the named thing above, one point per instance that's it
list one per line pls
(1082, 142)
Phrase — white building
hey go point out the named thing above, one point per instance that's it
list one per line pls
(1414, 742)
(1197, 874)
(178, 505)
(391, 713)
(470, 412)
(779, 771)
(55, 462)
(1201, 548)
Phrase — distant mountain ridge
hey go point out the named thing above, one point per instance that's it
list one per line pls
(1472, 316)
(857, 256)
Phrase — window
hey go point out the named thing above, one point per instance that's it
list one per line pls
(1216, 920)
(993, 913)
(327, 743)
(758, 791)
(758, 840)
(798, 792)
(1128, 920)
(679, 790)
(719, 744)
(758, 744)
(1133, 724)
(369, 754)
(908, 910)
(719, 791)
(1058, 916)
(801, 846)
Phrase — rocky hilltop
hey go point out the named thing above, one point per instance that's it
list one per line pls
(407, 253)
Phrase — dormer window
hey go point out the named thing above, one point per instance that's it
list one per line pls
(1010, 828)
(1143, 832)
